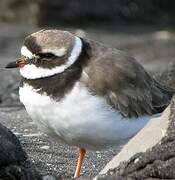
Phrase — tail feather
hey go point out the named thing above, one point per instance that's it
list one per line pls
(161, 97)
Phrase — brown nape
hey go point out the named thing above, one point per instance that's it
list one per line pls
(58, 85)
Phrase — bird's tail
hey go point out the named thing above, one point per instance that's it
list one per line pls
(161, 96)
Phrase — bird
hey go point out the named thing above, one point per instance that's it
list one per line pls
(84, 93)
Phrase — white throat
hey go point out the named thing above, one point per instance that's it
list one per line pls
(30, 71)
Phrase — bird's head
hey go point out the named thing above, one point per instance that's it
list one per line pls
(47, 52)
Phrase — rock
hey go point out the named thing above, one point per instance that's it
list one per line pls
(10, 98)
(156, 128)
(49, 177)
(10, 148)
(13, 159)
(155, 158)
(167, 76)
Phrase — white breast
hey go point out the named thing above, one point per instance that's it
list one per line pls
(79, 119)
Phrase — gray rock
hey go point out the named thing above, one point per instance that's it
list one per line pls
(156, 128)
(167, 76)
(157, 162)
(13, 159)
(10, 148)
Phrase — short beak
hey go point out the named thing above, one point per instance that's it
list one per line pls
(21, 62)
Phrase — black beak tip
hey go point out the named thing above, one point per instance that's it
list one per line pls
(11, 65)
(7, 66)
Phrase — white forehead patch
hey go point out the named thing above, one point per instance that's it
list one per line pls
(26, 52)
(57, 52)
(30, 71)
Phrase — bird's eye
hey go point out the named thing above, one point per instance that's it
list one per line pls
(46, 55)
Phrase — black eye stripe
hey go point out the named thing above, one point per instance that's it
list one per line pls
(46, 55)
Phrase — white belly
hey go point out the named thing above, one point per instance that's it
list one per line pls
(79, 119)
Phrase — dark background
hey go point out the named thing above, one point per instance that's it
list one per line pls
(88, 12)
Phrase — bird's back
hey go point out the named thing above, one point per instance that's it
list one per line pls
(124, 83)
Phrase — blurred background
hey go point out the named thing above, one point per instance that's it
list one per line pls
(145, 29)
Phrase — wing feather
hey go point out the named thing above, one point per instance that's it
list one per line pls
(124, 83)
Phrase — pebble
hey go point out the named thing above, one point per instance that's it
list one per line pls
(45, 147)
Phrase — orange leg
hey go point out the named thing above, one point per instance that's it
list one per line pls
(80, 162)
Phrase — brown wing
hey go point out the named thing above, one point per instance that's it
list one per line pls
(124, 83)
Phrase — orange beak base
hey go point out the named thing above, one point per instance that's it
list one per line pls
(18, 63)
